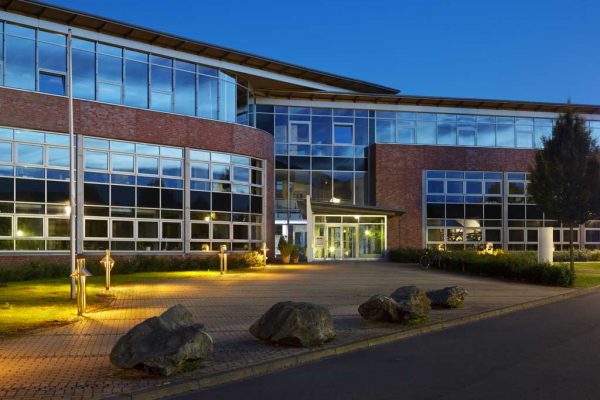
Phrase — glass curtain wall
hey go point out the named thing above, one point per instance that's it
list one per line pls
(466, 210)
(133, 196)
(36, 60)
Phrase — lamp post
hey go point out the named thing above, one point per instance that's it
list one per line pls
(223, 259)
(72, 160)
(264, 250)
(79, 276)
(108, 263)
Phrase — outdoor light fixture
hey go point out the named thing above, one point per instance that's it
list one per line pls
(67, 210)
(20, 233)
(207, 218)
(264, 250)
(332, 249)
(79, 275)
(335, 200)
(367, 232)
(108, 263)
(223, 259)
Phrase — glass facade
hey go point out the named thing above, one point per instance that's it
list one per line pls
(136, 196)
(466, 210)
(34, 59)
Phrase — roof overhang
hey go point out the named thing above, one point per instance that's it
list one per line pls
(119, 29)
(426, 101)
(323, 208)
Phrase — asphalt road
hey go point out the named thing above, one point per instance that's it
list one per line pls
(549, 352)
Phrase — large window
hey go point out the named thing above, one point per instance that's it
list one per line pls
(34, 59)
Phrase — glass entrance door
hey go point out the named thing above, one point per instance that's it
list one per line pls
(334, 242)
(349, 241)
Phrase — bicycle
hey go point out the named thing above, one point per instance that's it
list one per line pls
(428, 260)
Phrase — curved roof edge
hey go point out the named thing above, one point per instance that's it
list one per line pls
(430, 101)
(112, 27)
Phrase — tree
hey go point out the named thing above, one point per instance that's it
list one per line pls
(565, 180)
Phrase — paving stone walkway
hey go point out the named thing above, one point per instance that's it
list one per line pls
(71, 362)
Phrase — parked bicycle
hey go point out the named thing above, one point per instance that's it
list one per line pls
(431, 258)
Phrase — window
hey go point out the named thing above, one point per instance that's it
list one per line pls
(185, 90)
(343, 134)
(30, 227)
(385, 131)
(84, 69)
(52, 62)
(30, 154)
(20, 57)
(208, 97)
(161, 79)
(299, 132)
(136, 81)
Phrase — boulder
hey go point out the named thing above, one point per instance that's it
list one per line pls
(413, 301)
(449, 297)
(160, 345)
(382, 308)
(295, 324)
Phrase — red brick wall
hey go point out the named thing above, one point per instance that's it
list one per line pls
(397, 179)
(24, 109)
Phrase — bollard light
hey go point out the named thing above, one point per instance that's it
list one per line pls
(264, 250)
(80, 274)
(108, 263)
(223, 258)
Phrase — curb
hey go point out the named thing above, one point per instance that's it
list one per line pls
(266, 367)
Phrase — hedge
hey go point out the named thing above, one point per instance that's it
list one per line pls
(45, 268)
(579, 255)
(522, 267)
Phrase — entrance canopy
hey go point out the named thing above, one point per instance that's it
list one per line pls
(322, 208)
(338, 231)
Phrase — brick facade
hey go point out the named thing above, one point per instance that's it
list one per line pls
(23, 109)
(397, 179)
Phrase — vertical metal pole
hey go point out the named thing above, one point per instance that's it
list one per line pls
(72, 160)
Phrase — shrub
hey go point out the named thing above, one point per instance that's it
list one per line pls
(579, 255)
(46, 268)
(406, 255)
(522, 267)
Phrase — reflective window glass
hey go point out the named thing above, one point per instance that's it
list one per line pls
(136, 84)
(20, 62)
(58, 157)
(52, 84)
(148, 230)
(199, 170)
(30, 154)
(30, 227)
(58, 227)
(52, 57)
(96, 228)
(241, 174)
(185, 93)
(84, 76)
(122, 229)
(220, 172)
(343, 134)
(486, 135)
(385, 131)
(207, 97)
(505, 135)
(121, 163)
(96, 160)
(147, 165)
(171, 167)
(5, 152)
(426, 132)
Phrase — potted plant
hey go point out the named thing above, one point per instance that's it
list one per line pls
(285, 250)
(295, 254)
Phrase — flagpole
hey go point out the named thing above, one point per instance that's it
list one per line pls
(72, 162)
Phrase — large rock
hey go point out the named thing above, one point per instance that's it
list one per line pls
(160, 345)
(413, 301)
(382, 308)
(449, 297)
(295, 324)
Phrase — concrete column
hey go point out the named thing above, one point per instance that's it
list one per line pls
(545, 244)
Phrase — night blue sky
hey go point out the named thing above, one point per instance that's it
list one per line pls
(544, 50)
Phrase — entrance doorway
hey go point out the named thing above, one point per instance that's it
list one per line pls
(336, 238)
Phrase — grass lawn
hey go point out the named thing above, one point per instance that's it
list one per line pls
(32, 304)
(587, 274)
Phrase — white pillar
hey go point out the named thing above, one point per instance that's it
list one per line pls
(546, 244)
(310, 232)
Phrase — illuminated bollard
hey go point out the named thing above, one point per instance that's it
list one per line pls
(108, 263)
(223, 259)
(264, 250)
(80, 274)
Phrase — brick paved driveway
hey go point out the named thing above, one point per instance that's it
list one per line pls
(71, 362)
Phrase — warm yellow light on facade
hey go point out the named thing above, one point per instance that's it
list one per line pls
(20, 233)
(335, 200)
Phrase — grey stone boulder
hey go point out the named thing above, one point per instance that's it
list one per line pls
(382, 308)
(295, 324)
(160, 345)
(413, 301)
(449, 297)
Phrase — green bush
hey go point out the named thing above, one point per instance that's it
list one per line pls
(522, 267)
(579, 255)
(46, 268)
(406, 255)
